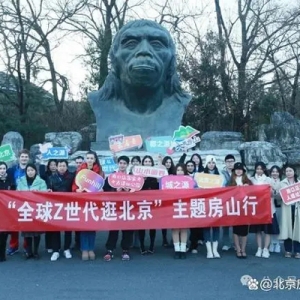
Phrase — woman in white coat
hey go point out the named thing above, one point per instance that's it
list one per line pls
(290, 219)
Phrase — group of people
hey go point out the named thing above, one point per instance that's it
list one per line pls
(55, 177)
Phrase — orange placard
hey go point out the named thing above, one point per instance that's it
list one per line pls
(129, 142)
(207, 181)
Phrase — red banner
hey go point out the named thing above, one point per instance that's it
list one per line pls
(42, 211)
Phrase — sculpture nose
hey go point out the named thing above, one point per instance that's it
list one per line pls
(144, 49)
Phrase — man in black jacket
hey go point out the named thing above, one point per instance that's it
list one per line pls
(61, 181)
(123, 162)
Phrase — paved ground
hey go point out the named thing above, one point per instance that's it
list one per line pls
(144, 277)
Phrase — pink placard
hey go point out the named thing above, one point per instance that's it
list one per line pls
(290, 194)
(121, 180)
(155, 172)
(177, 182)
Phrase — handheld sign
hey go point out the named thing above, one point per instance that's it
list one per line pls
(121, 180)
(55, 153)
(184, 138)
(89, 181)
(155, 172)
(128, 142)
(290, 194)
(208, 180)
(158, 144)
(176, 182)
(6, 153)
(108, 165)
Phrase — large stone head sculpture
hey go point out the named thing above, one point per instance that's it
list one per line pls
(142, 85)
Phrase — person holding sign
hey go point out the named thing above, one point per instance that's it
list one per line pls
(240, 232)
(275, 176)
(5, 184)
(32, 182)
(15, 173)
(87, 238)
(290, 218)
(211, 247)
(123, 162)
(260, 177)
(149, 184)
(180, 236)
(61, 181)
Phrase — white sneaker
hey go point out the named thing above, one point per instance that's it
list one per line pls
(225, 248)
(277, 248)
(258, 252)
(67, 254)
(272, 247)
(194, 251)
(265, 253)
(50, 250)
(54, 256)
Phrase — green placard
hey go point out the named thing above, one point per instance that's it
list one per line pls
(6, 153)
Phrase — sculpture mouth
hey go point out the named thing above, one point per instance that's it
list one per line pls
(143, 67)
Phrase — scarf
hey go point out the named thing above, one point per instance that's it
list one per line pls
(260, 179)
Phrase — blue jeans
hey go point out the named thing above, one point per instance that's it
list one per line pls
(87, 240)
(215, 234)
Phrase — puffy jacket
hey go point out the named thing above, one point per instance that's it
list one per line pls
(61, 183)
(38, 184)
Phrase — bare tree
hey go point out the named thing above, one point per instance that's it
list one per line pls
(98, 22)
(260, 24)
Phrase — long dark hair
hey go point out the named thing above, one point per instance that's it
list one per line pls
(136, 158)
(172, 168)
(30, 165)
(294, 169)
(278, 169)
(191, 162)
(200, 168)
(150, 157)
(96, 158)
(263, 166)
(180, 165)
(48, 171)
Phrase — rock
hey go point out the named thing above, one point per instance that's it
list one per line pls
(34, 151)
(71, 139)
(283, 131)
(221, 140)
(15, 139)
(268, 153)
(293, 157)
(88, 134)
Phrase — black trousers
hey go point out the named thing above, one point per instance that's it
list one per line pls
(126, 241)
(196, 234)
(142, 233)
(77, 239)
(48, 240)
(33, 244)
(3, 240)
(56, 242)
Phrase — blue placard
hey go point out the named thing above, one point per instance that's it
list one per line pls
(108, 165)
(55, 153)
(158, 144)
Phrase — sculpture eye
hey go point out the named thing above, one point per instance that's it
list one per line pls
(130, 43)
(157, 44)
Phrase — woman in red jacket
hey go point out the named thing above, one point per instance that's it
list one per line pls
(87, 238)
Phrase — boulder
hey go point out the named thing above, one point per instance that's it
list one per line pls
(293, 157)
(88, 134)
(34, 152)
(270, 154)
(221, 140)
(15, 139)
(70, 139)
(283, 131)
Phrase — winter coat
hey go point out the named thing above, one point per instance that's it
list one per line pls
(38, 184)
(15, 173)
(7, 184)
(60, 183)
(287, 231)
(264, 180)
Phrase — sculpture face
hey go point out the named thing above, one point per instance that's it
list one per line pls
(143, 56)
